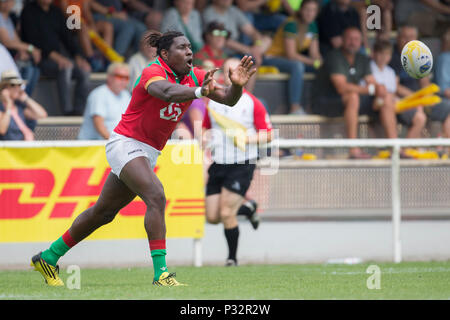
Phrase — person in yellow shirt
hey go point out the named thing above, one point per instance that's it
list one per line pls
(295, 47)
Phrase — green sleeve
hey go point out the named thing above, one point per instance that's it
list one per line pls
(290, 28)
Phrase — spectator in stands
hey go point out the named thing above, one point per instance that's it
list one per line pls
(442, 76)
(139, 61)
(145, 12)
(128, 31)
(333, 19)
(407, 85)
(184, 18)
(236, 23)
(106, 104)
(259, 15)
(432, 17)
(16, 109)
(212, 55)
(44, 26)
(345, 86)
(295, 46)
(415, 119)
(7, 61)
(103, 28)
(25, 54)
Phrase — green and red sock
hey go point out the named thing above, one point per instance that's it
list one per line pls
(58, 248)
(158, 253)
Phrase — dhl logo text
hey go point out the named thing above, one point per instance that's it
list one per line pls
(24, 193)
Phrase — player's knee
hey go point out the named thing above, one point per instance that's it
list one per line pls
(155, 198)
(103, 214)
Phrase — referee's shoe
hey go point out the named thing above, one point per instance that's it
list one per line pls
(248, 209)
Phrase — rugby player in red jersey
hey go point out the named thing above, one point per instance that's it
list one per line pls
(160, 97)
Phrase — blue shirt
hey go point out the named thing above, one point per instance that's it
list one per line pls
(442, 71)
(106, 104)
(14, 133)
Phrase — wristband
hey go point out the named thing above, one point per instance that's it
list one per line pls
(258, 42)
(30, 48)
(316, 64)
(198, 92)
(371, 89)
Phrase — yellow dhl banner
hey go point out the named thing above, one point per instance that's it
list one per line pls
(43, 189)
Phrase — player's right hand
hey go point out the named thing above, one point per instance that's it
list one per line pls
(209, 84)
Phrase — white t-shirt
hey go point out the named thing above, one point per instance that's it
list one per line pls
(103, 102)
(250, 113)
(385, 77)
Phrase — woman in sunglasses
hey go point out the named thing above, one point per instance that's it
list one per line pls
(18, 112)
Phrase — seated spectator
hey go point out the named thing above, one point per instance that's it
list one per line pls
(442, 77)
(106, 104)
(432, 17)
(145, 12)
(44, 26)
(415, 119)
(128, 31)
(25, 54)
(184, 18)
(407, 85)
(103, 28)
(236, 22)
(345, 87)
(16, 107)
(139, 61)
(7, 61)
(333, 19)
(259, 15)
(212, 54)
(295, 46)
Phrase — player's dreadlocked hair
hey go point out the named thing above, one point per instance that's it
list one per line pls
(160, 40)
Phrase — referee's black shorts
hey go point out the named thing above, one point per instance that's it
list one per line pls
(234, 177)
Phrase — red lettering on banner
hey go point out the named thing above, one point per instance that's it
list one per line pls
(43, 182)
(77, 183)
(63, 210)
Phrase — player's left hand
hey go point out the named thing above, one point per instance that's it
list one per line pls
(242, 73)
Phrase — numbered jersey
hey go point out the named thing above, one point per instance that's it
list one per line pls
(152, 120)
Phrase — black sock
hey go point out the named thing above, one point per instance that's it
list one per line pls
(244, 211)
(232, 236)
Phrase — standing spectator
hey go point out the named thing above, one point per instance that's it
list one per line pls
(25, 54)
(184, 18)
(44, 26)
(334, 18)
(212, 55)
(139, 61)
(295, 46)
(415, 119)
(103, 28)
(345, 86)
(128, 31)
(106, 104)
(441, 112)
(16, 107)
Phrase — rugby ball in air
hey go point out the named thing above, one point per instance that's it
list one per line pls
(417, 59)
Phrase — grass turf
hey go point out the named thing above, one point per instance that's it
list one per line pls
(411, 280)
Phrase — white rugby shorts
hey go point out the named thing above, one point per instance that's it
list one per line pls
(120, 150)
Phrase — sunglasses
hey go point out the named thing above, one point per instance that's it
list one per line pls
(13, 85)
(221, 33)
(122, 77)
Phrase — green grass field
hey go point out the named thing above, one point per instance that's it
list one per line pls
(412, 280)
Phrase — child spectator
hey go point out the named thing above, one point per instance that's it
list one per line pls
(295, 46)
(415, 119)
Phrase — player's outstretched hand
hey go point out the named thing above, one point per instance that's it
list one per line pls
(209, 84)
(243, 72)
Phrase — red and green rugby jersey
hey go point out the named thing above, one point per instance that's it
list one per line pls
(152, 120)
